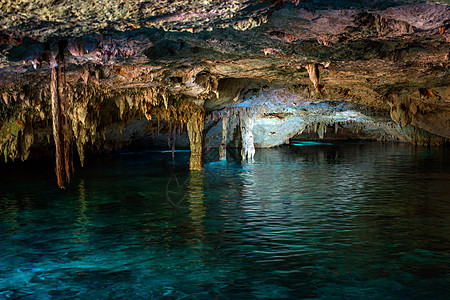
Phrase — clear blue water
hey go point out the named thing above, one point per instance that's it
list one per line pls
(340, 221)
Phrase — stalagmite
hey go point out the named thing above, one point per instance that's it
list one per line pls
(195, 126)
(248, 147)
(223, 143)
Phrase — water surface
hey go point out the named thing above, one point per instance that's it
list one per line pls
(355, 221)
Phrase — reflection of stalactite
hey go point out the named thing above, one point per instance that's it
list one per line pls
(196, 208)
(195, 195)
(248, 147)
(10, 214)
(223, 143)
(81, 220)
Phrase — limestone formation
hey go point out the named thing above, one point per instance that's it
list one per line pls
(223, 141)
(195, 126)
(109, 73)
(314, 76)
(248, 147)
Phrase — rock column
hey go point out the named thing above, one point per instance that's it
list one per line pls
(223, 143)
(248, 147)
(195, 126)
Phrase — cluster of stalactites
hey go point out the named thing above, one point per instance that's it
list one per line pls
(242, 116)
(91, 111)
(322, 127)
(21, 109)
(180, 113)
(16, 138)
(153, 103)
(82, 113)
(383, 131)
(420, 136)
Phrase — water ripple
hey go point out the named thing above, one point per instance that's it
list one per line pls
(334, 221)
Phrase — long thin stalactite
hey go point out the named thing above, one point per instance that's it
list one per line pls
(56, 116)
(60, 122)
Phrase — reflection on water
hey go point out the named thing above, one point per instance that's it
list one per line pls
(332, 221)
(195, 199)
(81, 234)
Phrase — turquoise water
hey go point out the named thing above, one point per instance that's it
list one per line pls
(339, 221)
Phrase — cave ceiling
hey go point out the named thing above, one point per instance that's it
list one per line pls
(390, 55)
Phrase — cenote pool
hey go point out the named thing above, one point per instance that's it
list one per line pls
(334, 221)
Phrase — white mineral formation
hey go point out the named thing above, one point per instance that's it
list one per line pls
(248, 147)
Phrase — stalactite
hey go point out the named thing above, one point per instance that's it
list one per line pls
(248, 147)
(223, 143)
(314, 76)
(56, 116)
(180, 130)
(174, 136)
(322, 129)
(195, 125)
(26, 139)
(169, 143)
(68, 167)
(159, 126)
(171, 137)
(60, 120)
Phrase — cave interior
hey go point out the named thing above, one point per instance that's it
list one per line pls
(79, 79)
